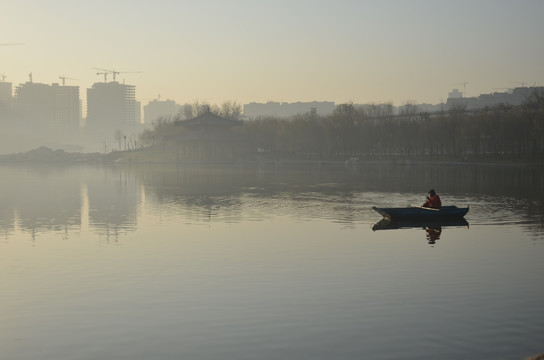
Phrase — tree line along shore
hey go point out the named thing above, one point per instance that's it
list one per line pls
(350, 135)
(500, 133)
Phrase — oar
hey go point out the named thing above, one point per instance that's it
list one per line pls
(424, 207)
(428, 208)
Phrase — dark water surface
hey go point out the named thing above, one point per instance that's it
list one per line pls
(268, 263)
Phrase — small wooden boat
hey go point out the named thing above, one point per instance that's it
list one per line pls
(419, 212)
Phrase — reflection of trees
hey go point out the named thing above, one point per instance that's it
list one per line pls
(335, 192)
(49, 199)
(511, 190)
(514, 181)
(203, 192)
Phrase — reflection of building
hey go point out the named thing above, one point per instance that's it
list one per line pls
(113, 199)
(112, 106)
(210, 137)
(109, 199)
(53, 205)
(156, 109)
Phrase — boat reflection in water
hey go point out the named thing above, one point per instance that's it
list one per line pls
(433, 228)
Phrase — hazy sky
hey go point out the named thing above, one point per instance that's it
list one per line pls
(251, 50)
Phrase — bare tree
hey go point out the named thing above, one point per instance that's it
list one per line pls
(231, 110)
(118, 136)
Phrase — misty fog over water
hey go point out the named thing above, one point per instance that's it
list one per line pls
(200, 180)
(232, 262)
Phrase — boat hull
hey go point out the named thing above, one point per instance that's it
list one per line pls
(418, 213)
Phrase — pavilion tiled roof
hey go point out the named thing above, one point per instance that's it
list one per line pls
(209, 119)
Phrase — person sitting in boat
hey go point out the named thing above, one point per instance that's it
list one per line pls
(433, 200)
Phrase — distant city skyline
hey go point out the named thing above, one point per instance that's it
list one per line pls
(284, 51)
(113, 105)
(459, 89)
(425, 106)
(51, 113)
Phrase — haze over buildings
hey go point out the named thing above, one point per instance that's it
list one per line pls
(278, 51)
(277, 57)
(39, 114)
(111, 106)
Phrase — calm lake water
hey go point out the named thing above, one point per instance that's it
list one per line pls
(268, 263)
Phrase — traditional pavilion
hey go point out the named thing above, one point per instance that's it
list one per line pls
(209, 137)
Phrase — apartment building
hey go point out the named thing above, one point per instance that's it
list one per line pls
(112, 106)
(159, 108)
(53, 106)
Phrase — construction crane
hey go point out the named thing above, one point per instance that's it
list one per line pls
(464, 83)
(64, 78)
(105, 75)
(114, 73)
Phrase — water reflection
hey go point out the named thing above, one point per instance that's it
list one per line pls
(109, 200)
(233, 194)
(113, 196)
(274, 264)
(433, 234)
(39, 199)
(198, 193)
(433, 228)
(60, 199)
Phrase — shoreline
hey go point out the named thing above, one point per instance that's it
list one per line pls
(44, 155)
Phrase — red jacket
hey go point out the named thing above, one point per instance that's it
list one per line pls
(433, 202)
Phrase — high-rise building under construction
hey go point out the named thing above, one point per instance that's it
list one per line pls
(112, 106)
(67, 106)
(52, 107)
